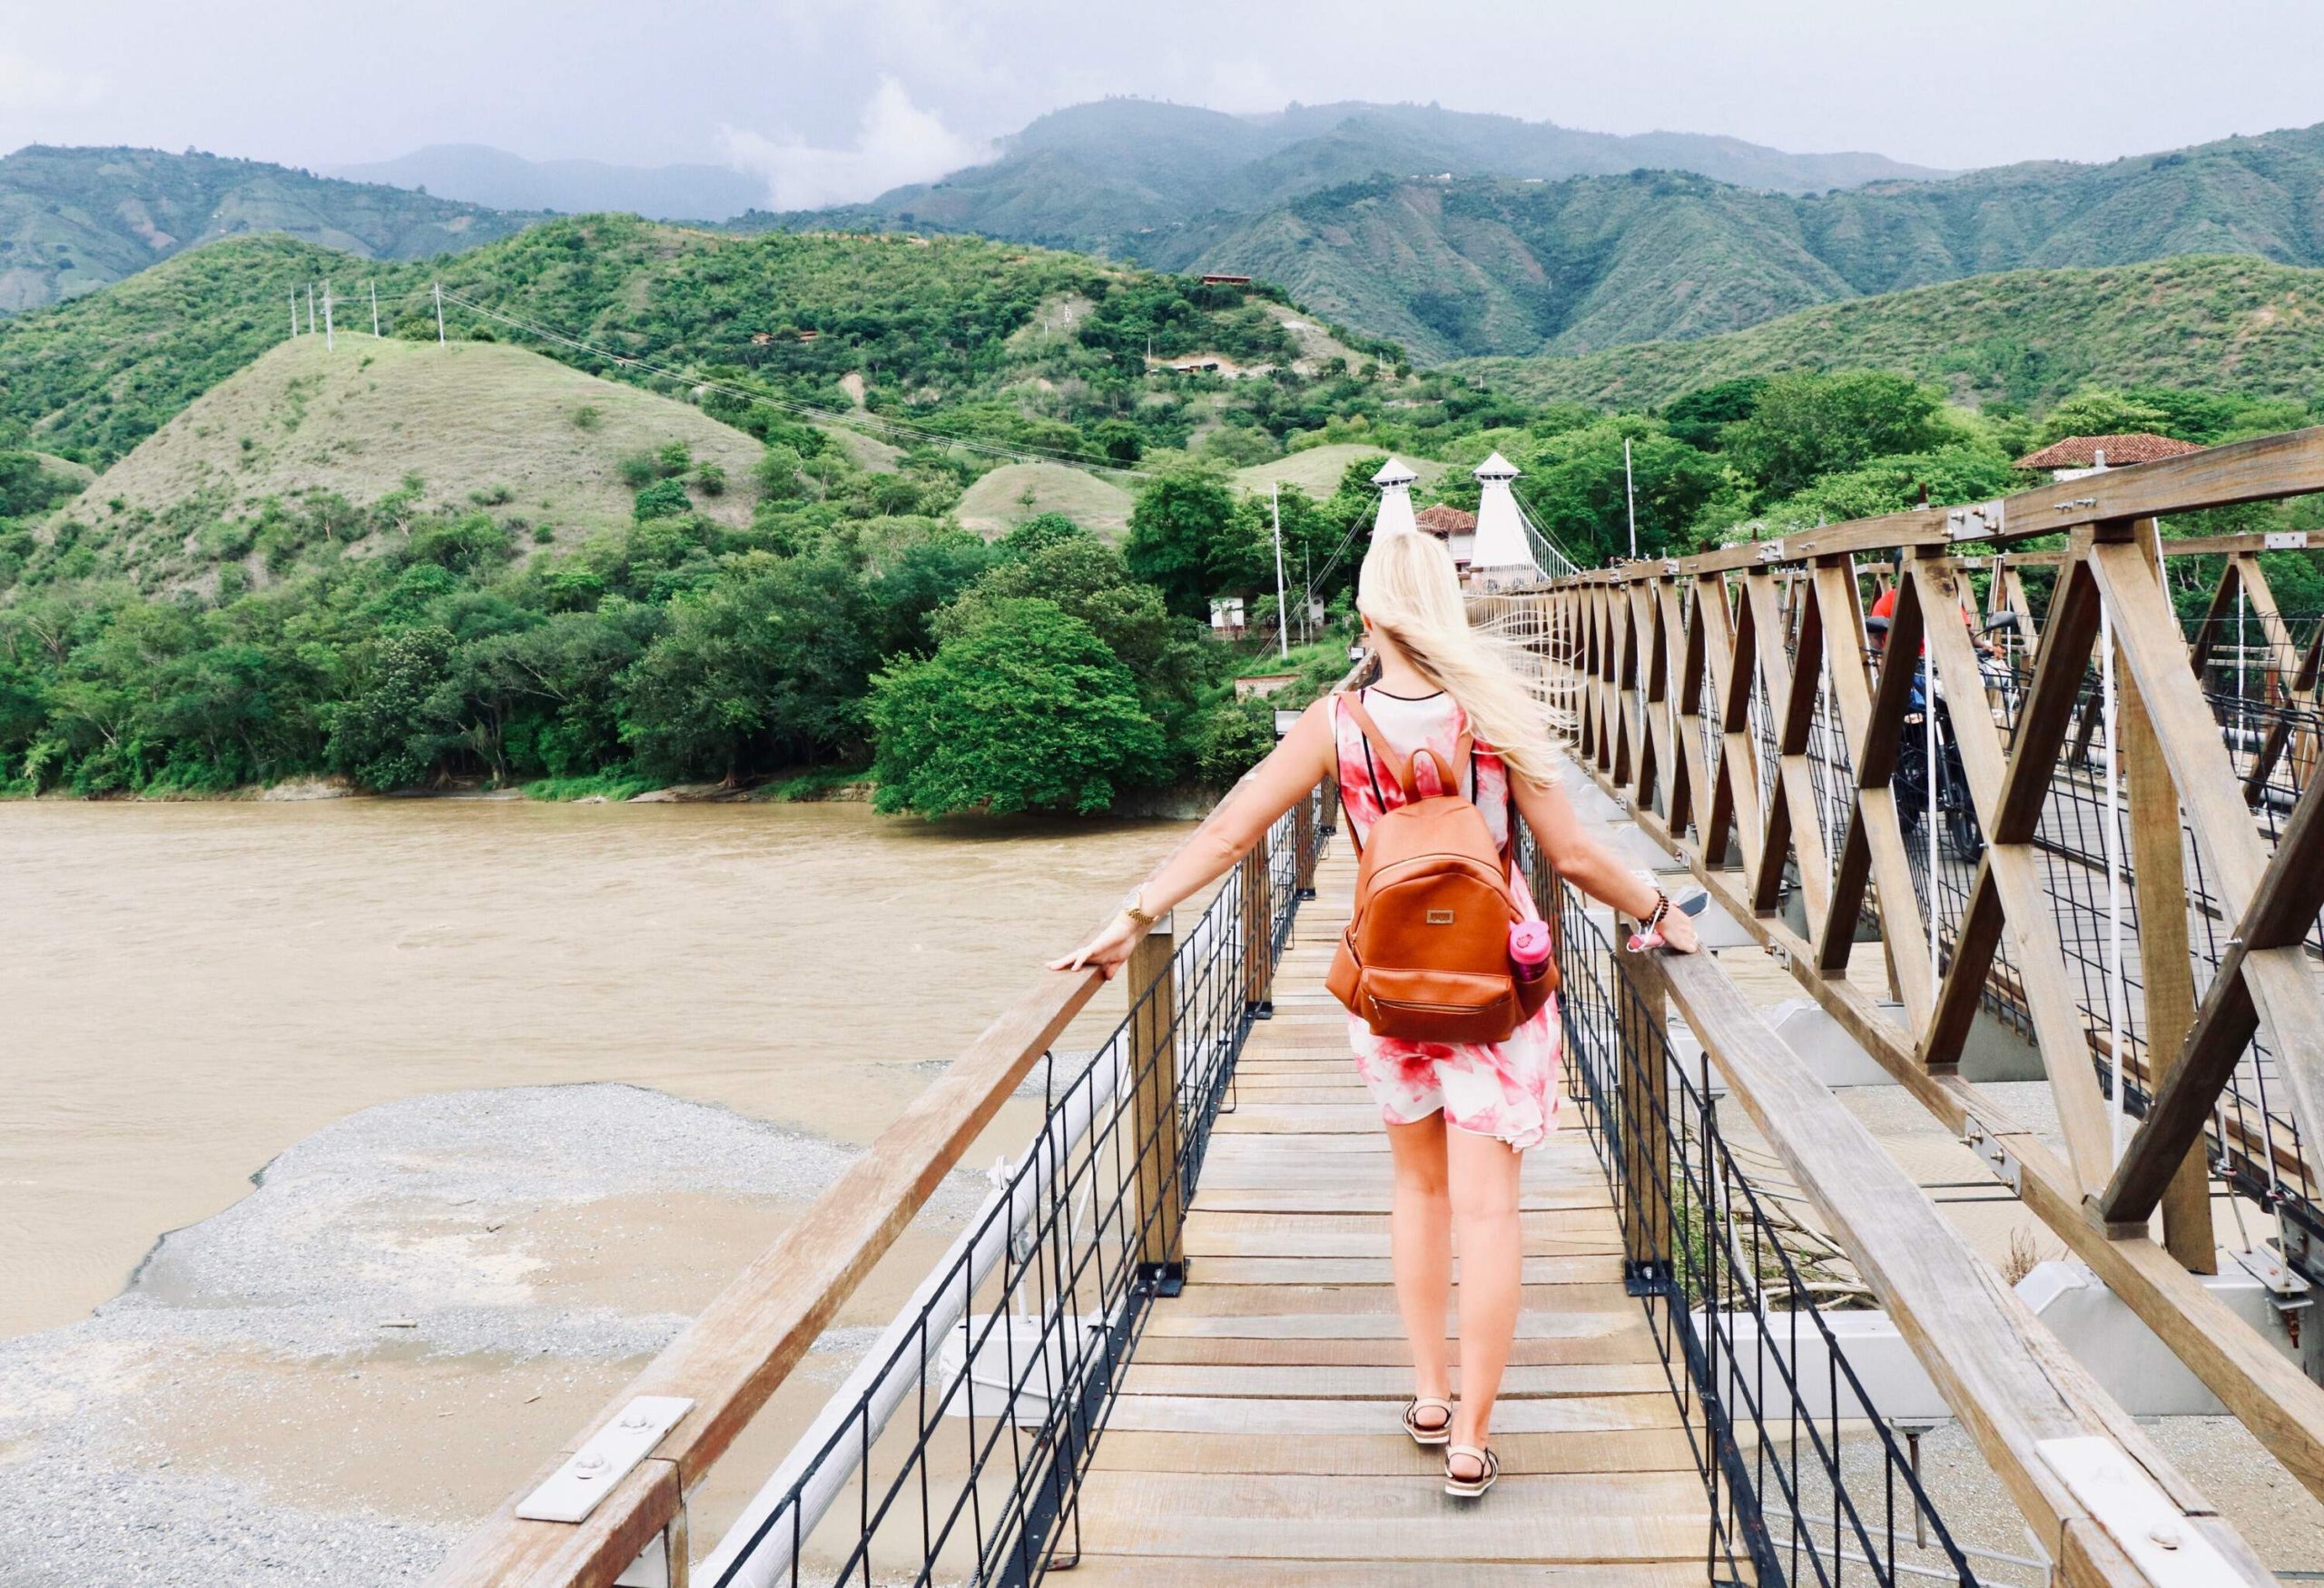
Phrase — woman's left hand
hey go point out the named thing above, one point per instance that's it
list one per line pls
(1108, 950)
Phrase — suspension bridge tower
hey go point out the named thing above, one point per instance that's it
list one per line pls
(1502, 554)
(1395, 515)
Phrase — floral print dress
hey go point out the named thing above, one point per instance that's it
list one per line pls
(1507, 1089)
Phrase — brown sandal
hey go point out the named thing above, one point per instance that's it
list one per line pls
(1425, 1434)
(1489, 1468)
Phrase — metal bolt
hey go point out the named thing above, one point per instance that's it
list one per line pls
(2165, 1535)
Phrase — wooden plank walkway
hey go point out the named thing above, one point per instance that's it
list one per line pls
(1255, 1440)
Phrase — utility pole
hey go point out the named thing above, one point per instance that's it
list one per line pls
(375, 311)
(439, 314)
(1630, 500)
(310, 308)
(1282, 613)
(294, 311)
(329, 343)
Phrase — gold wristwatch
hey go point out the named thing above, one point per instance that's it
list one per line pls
(1134, 908)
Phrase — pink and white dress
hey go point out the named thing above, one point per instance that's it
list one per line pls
(1507, 1089)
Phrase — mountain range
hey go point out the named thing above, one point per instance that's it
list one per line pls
(73, 220)
(1454, 235)
(1103, 177)
(1490, 265)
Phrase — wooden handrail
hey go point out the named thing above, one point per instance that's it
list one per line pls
(2007, 1379)
(1722, 642)
(742, 1346)
(740, 1349)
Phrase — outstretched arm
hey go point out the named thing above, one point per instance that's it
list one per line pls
(1588, 864)
(1305, 758)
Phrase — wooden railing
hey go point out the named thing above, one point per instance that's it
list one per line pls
(1673, 671)
(742, 1347)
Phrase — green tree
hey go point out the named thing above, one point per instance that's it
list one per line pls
(1025, 711)
(1699, 417)
(393, 727)
(2096, 411)
(1578, 494)
(768, 664)
(1805, 425)
(1172, 529)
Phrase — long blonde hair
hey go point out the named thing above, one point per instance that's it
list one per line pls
(1409, 591)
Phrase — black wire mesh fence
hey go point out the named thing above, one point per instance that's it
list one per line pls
(957, 1449)
(1808, 1483)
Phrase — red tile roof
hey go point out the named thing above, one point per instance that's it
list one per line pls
(2082, 451)
(1441, 521)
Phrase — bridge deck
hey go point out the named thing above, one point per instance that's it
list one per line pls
(1256, 1439)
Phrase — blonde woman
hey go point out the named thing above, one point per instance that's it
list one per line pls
(1458, 1116)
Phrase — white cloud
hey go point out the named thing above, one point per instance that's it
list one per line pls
(26, 86)
(897, 142)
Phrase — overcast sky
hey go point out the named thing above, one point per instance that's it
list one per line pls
(838, 99)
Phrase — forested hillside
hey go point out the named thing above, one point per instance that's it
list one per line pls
(1105, 176)
(673, 505)
(73, 220)
(2028, 338)
(1490, 265)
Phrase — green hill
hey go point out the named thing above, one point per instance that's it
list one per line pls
(72, 220)
(538, 444)
(1007, 496)
(1490, 265)
(2029, 337)
(924, 332)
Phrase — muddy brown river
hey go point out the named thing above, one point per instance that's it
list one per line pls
(188, 990)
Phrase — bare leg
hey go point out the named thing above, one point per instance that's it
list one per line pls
(1420, 1238)
(1483, 1183)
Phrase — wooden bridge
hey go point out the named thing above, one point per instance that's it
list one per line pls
(1167, 1350)
(1256, 1439)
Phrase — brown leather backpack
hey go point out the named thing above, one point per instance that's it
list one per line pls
(1425, 957)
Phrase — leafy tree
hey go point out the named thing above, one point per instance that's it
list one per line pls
(664, 498)
(1805, 425)
(393, 726)
(1027, 710)
(1172, 529)
(1579, 493)
(1700, 415)
(2095, 411)
(1036, 533)
(767, 665)
(1234, 736)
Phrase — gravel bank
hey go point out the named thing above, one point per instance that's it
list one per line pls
(329, 1380)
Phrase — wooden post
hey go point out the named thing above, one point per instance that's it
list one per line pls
(1302, 842)
(1641, 1001)
(2158, 860)
(1258, 931)
(1154, 1106)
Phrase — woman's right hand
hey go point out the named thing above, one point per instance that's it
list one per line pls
(1108, 950)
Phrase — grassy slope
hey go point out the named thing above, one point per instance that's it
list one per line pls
(470, 418)
(1317, 469)
(995, 503)
(2030, 336)
(72, 220)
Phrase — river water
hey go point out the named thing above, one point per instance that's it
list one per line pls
(186, 990)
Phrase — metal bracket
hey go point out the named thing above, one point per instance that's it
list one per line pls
(571, 1492)
(1771, 551)
(2285, 540)
(1977, 521)
(2161, 1539)
(1163, 1279)
(1997, 1157)
(2269, 1268)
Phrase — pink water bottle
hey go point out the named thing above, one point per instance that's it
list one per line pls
(1529, 949)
